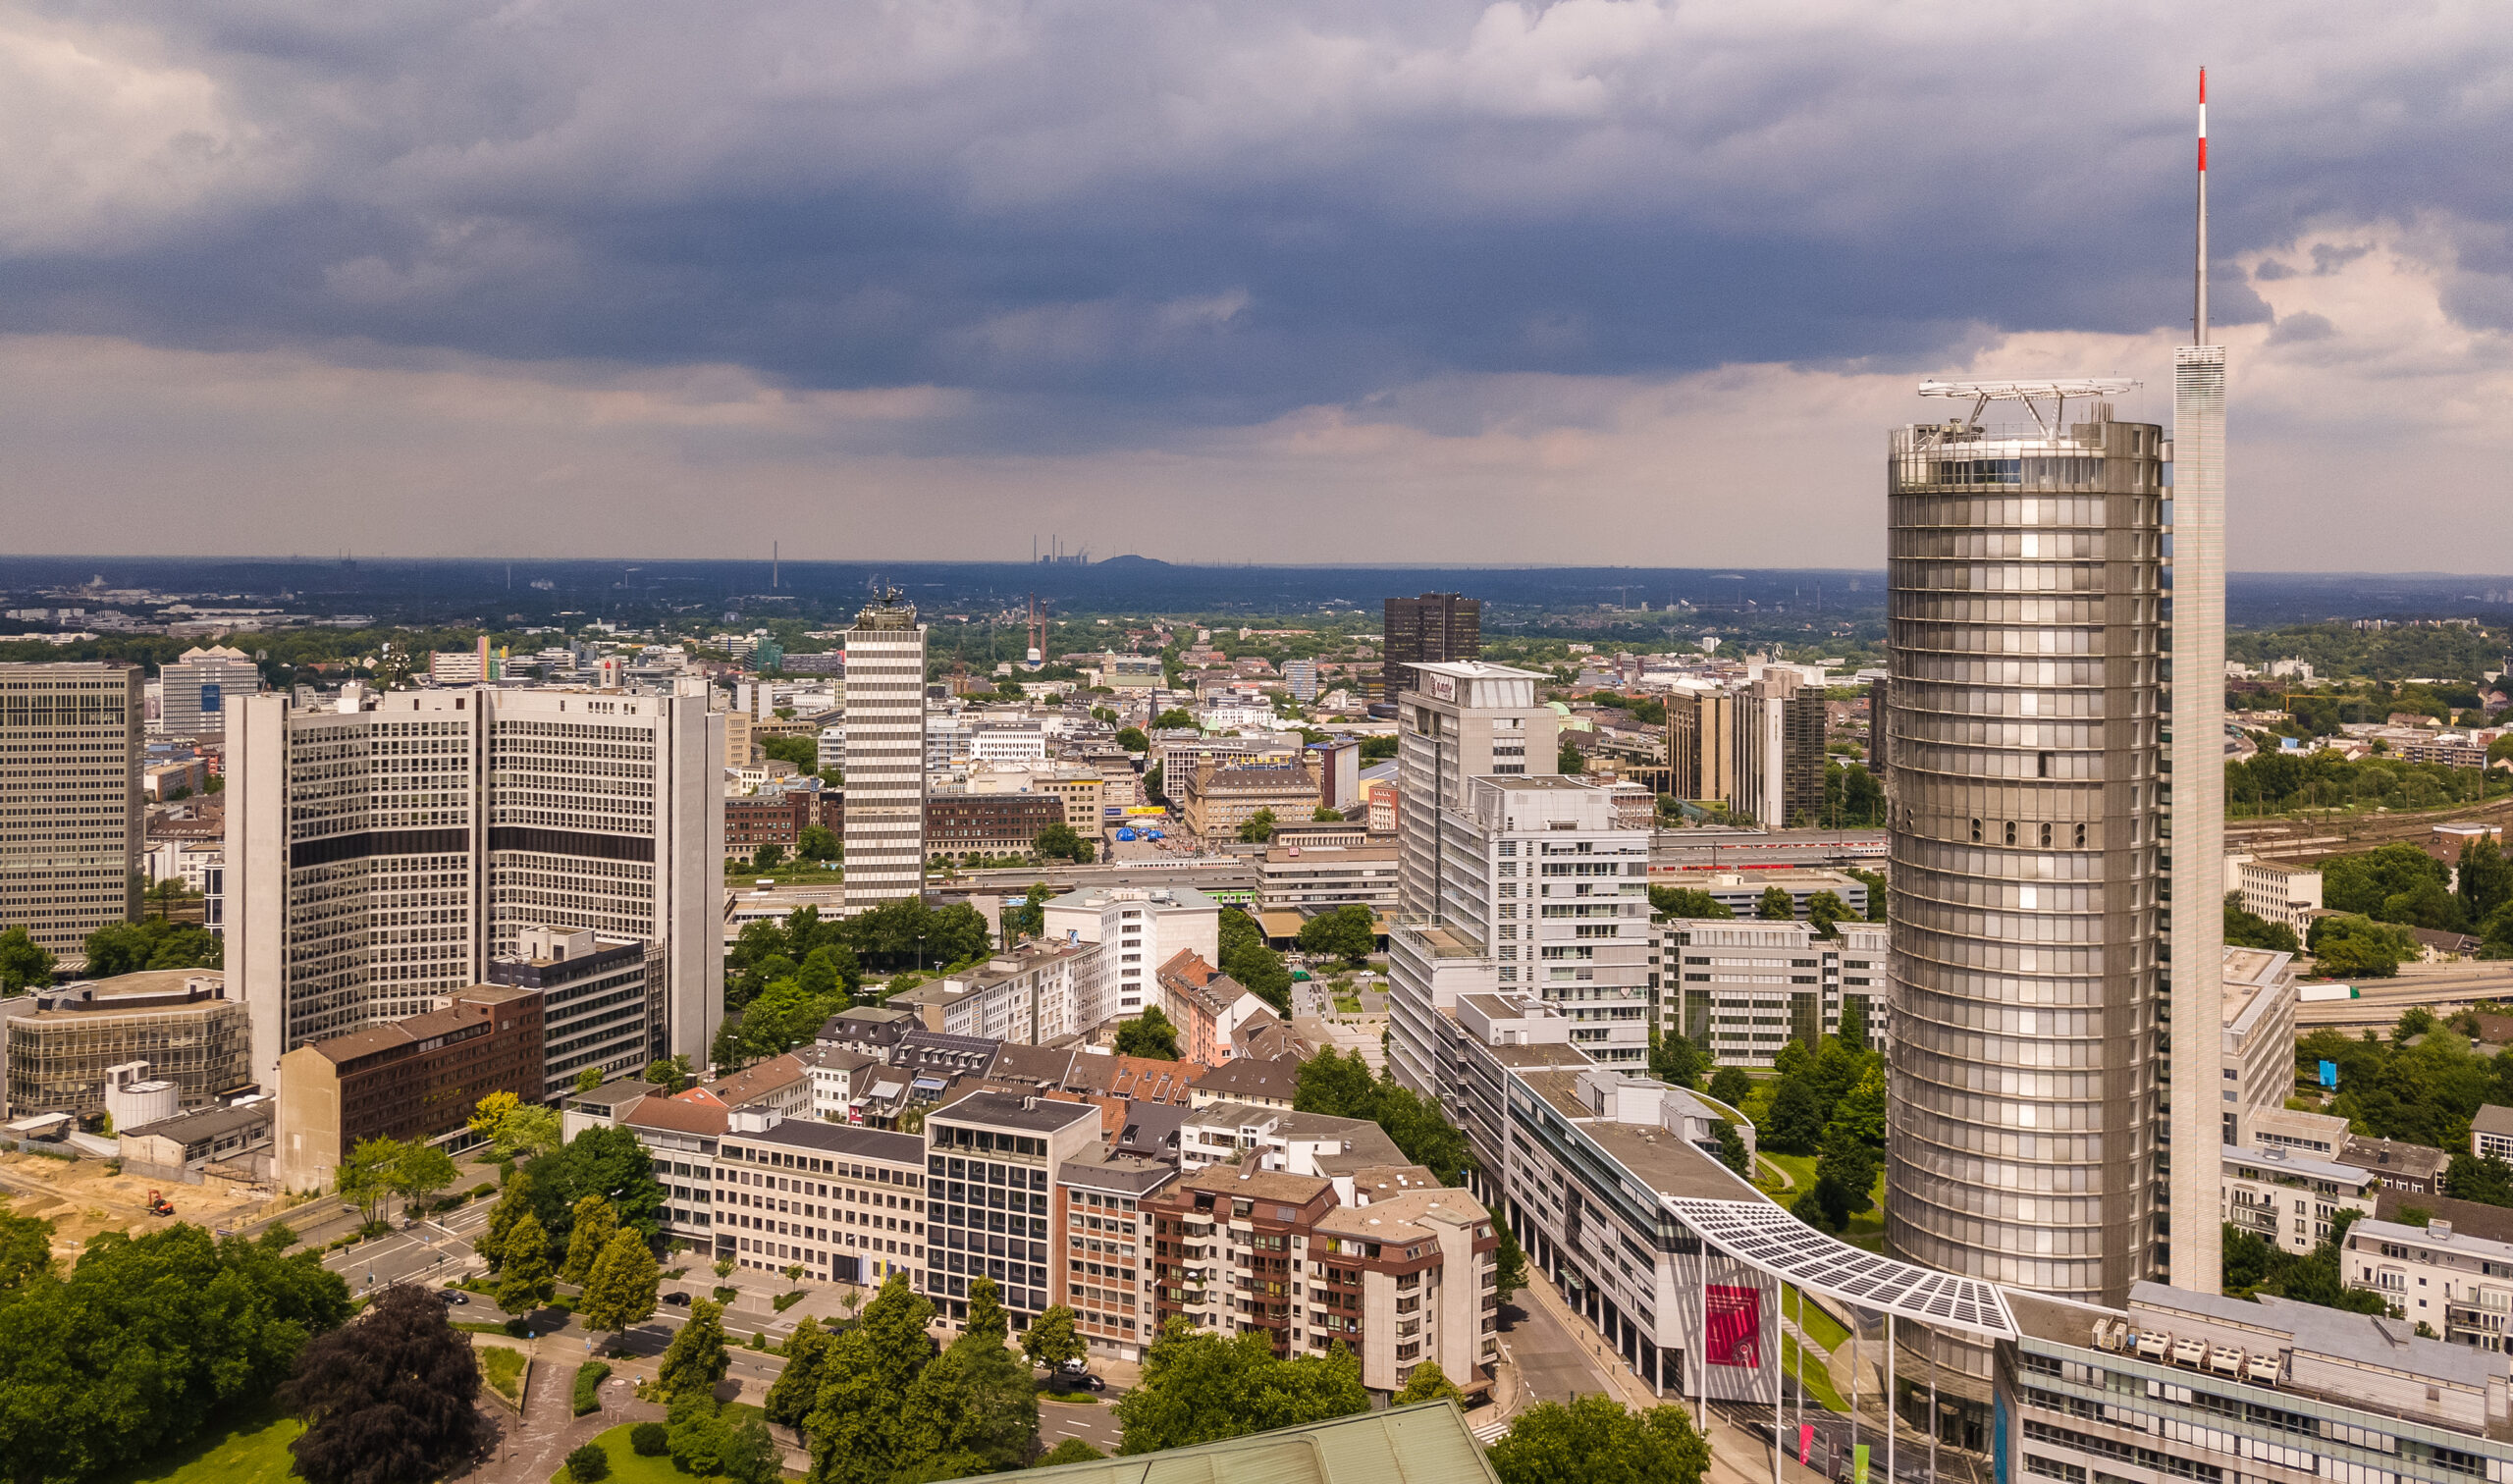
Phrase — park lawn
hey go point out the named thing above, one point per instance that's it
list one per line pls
(1812, 1375)
(251, 1451)
(626, 1467)
(1800, 1168)
(1818, 1325)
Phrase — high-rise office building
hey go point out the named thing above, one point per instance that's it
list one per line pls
(70, 804)
(2195, 778)
(1701, 738)
(1778, 750)
(1434, 627)
(2025, 636)
(194, 688)
(379, 858)
(884, 754)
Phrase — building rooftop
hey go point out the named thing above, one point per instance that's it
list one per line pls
(1246, 1077)
(1048, 1066)
(708, 1119)
(614, 1094)
(1005, 1110)
(2492, 1118)
(758, 1081)
(206, 1123)
(1665, 1162)
(2369, 1342)
(1126, 1174)
(2272, 1160)
(412, 1030)
(1163, 898)
(2391, 1156)
(1359, 1143)
(1427, 1443)
(144, 989)
(838, 1141)
(1248, 1179)
(1405, 1215)
(1150, 1129)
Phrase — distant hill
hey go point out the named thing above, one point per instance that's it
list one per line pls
(1131, 561)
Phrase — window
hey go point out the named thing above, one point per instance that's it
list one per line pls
(1976, 832)
(2045, 836)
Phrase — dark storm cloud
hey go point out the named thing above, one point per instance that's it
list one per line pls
(1114, 217)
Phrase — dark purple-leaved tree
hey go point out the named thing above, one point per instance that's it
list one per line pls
(386, 1400)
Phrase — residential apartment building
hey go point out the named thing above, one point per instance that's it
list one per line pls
(1779, 751)
(1103, 1270)
(1702, 743)
(601, 999)
(185, 1024)
(1137, 929)
(1216, 801)
(1742, 988)
(196, 686)
(2491, 1133)
(2458, 1283)
(1543, 887)
(2281, 893)
(1177, 754)
(71, 815)
(682, 1135)
(1436, 626)
(1225, 1132)
(885, 849)
(1034, 994)
(2288, 1199)
(991, 1161)
(414, 1079)
(2259, 1039)
(381, 855)
(1207, 1006)
(844, 1205)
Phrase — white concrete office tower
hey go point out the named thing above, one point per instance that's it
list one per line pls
(884, 754)
(70, 806)
(1462, 719)
(2195, 848)
(379, 859)
(1139, 928)
(196, 687)
(2024, 628)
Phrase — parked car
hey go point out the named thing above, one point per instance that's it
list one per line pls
(454, 1295)
(680, 1298)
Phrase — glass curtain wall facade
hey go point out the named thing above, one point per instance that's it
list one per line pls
(2024, 639)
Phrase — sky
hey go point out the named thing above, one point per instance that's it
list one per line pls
(1592, 282)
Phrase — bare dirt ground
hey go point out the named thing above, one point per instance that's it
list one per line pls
(81, 1200)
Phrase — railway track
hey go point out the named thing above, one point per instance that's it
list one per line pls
(2302, 839)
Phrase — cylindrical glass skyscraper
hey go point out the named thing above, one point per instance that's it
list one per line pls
(2023, 738)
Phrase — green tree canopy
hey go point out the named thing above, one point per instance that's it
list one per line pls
(696, 1360)
(816, 842)
(2358, 947)
(1246, 958)
(1596, 1440)
(1428, 1383)
(596, 1223)
(1132, 739)
(1685, 902)
(523, 1277)
(1258, 827)
(24, 962)
(1060, 842)
(1204, 1386)
(1051, 1340)
(1775, 905)
(621, 1290)
(2249, 930)
(127, 947)
(1149, 1034)
(1348, 932)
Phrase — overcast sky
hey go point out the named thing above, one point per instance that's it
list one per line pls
(1603, 280)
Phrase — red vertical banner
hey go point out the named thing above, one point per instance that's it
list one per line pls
(1805, 1442)
(1732, 1326)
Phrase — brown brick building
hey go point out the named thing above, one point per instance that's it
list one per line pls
(414, 1079)
(779, 819)
(962, 824)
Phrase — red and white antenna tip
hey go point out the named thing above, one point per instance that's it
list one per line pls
(2203, 121)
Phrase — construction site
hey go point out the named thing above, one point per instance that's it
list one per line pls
(85, 1198)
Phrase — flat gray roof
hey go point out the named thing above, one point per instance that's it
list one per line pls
(1008, 1110)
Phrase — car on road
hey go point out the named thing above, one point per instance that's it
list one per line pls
(454, 1295)
(681, 1298)
(1075, 1375)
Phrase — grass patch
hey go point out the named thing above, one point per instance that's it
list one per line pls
(1818, 1325)
(1812, 1375)
(253, 1451)
(626, 1467)
(1047, 1393)
(784, 1301)
(503, 1368)
(588, 1386)
(1800, 1168)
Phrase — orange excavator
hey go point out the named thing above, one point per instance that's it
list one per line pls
(159, 1205)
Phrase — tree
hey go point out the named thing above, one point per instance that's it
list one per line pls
(2248, 929)
(1684, 902)
(523, 1278)
(1676, 1060)
(119, 948)
(621, 1289)
(1775, 905)
(1070, 1450)
(596, 1223)
(671, 1073)
(1149, 1034)
(1596, 1440)
(515, 1202)
(588, 1079)
(1428, 1383)
(1246, 958)
(1051, 1341)
(1730, 1084)
(1028, 918)
(1173, 719)
(514, 1129)
(24, 962)
(1257, 829)
(2358, 948)
(1059, 842)
(25, 1249)
(767, 857)
(798, 1385)
(1568, 761)
(1731, 1147)
(420, 1172)
(815, 843)
(1132, 739)
(1378, 749)
(2365, 883)
(1204, 1386)
(1854, 1024)
(389, 1400)
(1348, 932)
(1509, 1261)
(365, 1177)
(1826, 908)
(2485, 1179)
(974, 1409)
(985, 1312)
(1337, 1083)
(605, 1162)
(855, 1427)
(696, 1360)
(2486, 879)
(1874, 881)
(588, 1464)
